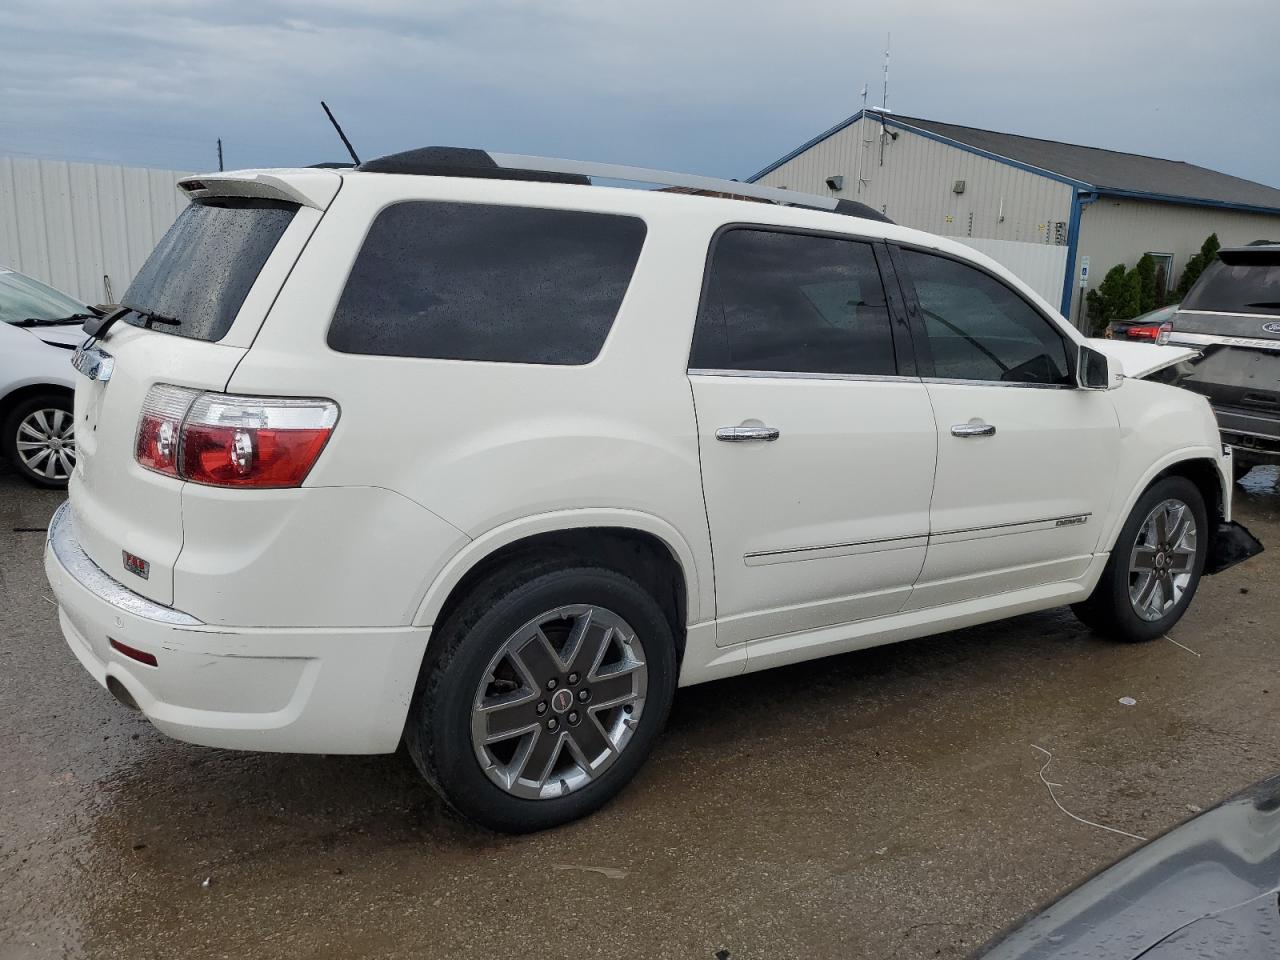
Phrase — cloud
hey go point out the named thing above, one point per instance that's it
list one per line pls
(711, 87)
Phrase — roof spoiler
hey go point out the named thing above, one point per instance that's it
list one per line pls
(314, 188)
(468, 162)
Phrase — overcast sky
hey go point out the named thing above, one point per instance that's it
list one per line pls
(714, 88)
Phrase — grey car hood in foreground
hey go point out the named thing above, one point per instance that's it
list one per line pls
(1207, 888)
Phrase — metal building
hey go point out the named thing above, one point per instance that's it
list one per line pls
(1042, 208)
(84, 228)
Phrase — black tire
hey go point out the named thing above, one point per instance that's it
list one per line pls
(51, 401)
(1109, 610)
(438, 731)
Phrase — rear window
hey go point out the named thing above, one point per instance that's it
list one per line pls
(1251, 286)
(202, 269)
(465, 281)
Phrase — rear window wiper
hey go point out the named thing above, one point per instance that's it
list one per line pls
(150, 317)
(52, 321)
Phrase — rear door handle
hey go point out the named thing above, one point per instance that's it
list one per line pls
(745, 434)
(974, 428)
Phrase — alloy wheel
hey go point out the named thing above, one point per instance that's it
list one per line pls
(1160, 565)
(559, 702)
(46, 443)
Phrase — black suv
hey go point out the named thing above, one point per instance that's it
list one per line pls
(1232, 314)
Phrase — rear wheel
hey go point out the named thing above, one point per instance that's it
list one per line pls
(1155, 566)
(550, 687)
(39, 439)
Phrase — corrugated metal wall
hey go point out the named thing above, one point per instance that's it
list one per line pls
(1120, 231)
(915, 185)
(1024, 215)
(71, 224)
(1039, 265)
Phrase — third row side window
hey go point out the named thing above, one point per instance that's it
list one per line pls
(793, 303)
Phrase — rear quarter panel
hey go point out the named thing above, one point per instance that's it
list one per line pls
(503, 446)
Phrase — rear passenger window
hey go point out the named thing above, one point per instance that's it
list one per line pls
(979, 329)
(793, 303)
(467, 281)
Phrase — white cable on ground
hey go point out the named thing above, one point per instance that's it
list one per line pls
(1177, 644)
(1049, 786)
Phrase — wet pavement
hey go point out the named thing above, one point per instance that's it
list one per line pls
(884, 803)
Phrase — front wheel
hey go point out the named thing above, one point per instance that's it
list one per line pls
(550, 685)
(39, 440)
(1155, 565)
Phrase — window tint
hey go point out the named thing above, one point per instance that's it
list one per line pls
(467, 281)
(794, 303)
(202, 269)
(1249, 287)
(979, 329)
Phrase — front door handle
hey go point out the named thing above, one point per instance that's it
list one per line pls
(974, 428)
(744, 434)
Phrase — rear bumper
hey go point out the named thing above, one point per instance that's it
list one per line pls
(300, 690)
(1249, 431)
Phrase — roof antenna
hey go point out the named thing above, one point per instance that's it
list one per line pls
(345, 142)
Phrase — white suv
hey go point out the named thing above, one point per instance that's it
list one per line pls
(459, 449)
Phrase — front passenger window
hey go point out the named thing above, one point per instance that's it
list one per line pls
(979, 329)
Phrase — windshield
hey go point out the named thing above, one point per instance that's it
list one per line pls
(202, 269)
(23, 298)
(1241, 287)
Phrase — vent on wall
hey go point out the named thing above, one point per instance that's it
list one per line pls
(958, 187)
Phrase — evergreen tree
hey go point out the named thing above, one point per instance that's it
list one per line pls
(1146, 270)
(1130, 304)
(1196, 264)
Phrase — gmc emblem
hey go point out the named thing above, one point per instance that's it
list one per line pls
(136, 565)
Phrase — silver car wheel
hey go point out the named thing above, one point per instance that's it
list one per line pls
(1162, 560)
(559, 702)
(46, 443)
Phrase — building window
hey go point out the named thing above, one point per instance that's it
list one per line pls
(1164, 272)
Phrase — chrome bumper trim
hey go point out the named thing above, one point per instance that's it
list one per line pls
(63, 543)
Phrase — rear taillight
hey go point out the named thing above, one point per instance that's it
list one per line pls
(158, 428)
(225, 440)
(1155, 334)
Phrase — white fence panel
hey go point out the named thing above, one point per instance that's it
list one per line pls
(80, 226)
(1041, 266)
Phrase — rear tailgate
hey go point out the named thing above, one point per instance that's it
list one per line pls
(1232, 315)
(217, 272)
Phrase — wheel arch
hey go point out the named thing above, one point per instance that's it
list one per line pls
(18, 394)
(636, 544)
(1200, 465)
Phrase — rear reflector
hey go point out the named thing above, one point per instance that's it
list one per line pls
(225, 440)
(133, 653)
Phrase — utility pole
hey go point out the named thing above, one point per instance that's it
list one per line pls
(219, 154)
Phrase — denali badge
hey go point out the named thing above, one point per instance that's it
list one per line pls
(136, 565)
(1272, 327)
(1073, 521)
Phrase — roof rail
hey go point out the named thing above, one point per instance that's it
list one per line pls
(466, 162)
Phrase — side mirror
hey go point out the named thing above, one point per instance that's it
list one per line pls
(1095, 370)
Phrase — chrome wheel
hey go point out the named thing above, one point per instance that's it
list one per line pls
(559, 702)
(46, 443)
(1163, 556)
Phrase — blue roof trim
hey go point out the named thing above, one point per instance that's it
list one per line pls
(1185, 201)
(805, 146)
(890, 120)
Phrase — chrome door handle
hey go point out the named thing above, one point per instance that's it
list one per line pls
(974, 428)
(743, 434)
